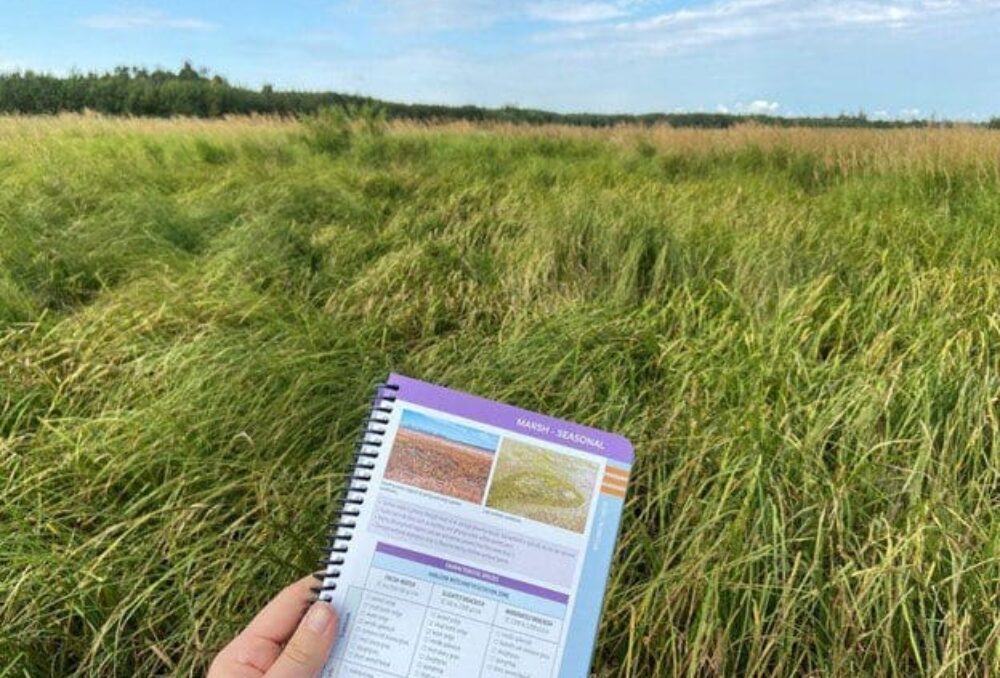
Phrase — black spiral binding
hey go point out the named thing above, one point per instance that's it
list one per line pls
(348, 505)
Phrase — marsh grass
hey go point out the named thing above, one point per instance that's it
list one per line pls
(797, 328)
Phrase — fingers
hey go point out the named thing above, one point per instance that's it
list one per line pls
(305, 654)
(253, 652)
(278, 620)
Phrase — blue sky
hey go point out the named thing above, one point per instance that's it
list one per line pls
(446, 429)
(890, 58)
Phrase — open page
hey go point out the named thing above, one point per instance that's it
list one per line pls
(483, 543)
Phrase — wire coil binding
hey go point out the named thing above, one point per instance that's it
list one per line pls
(347, 506)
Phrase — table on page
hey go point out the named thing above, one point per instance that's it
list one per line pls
(418, 617)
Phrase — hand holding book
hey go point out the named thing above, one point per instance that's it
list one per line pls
(473, 539)
(280, 642)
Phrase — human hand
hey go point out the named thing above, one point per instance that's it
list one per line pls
(276, 644)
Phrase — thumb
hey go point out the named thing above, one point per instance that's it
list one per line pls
(306, 652)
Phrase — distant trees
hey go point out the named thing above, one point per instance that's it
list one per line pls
(195, 92)
(136, 91)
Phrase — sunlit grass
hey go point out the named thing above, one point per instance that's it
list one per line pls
(797, 328)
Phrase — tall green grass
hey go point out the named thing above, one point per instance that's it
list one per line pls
(802, 339)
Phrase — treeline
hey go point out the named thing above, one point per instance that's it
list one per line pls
(196, 92)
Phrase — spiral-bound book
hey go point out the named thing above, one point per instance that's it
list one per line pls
(474, 539)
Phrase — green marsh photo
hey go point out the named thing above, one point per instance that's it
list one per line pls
(543, 485)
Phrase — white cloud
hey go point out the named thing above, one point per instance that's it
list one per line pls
(755, 107)
(762, 107)
(438, 15)
(727, 20)
(909, 112)
(144, 19)
(631, 21)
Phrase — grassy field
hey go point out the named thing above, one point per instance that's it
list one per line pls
(800, 331)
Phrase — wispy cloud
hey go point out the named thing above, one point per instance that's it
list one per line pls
(439, 15)
(145, 19)
(727, 20)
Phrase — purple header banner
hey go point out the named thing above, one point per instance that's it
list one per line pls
(514, 419)
(471, 572)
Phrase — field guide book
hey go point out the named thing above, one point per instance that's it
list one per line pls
(474, 539)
